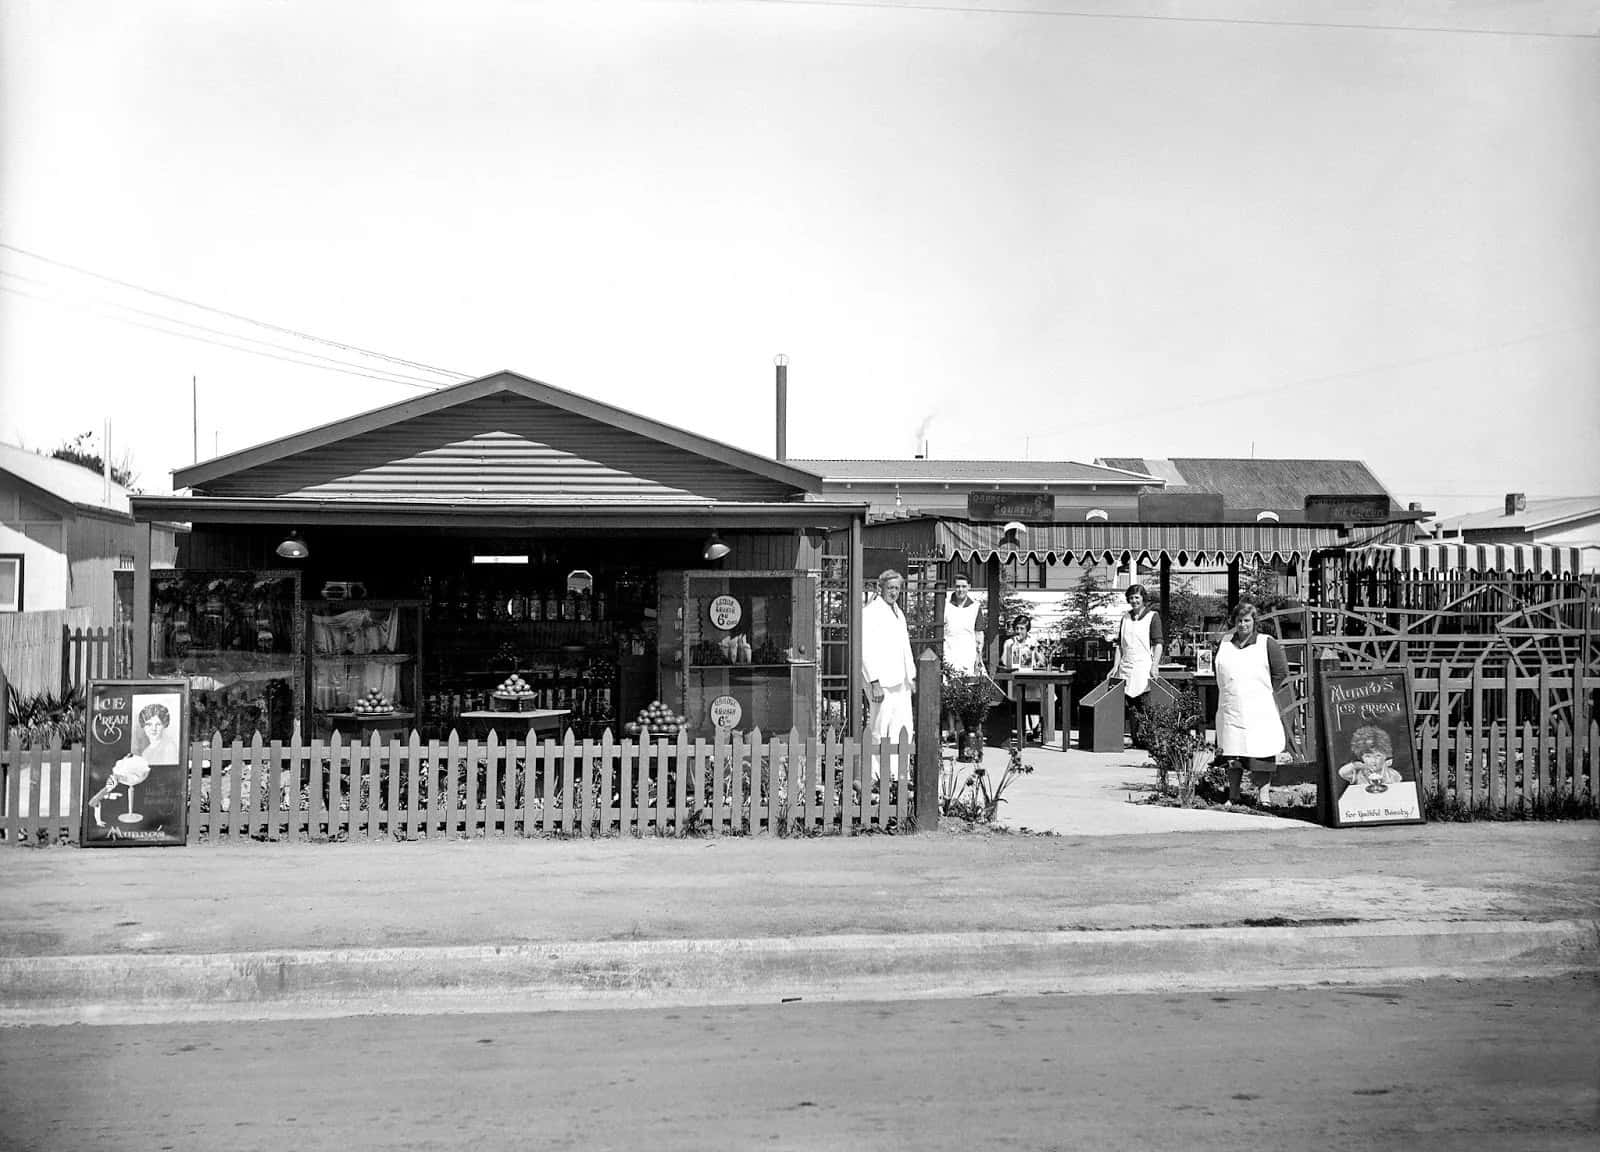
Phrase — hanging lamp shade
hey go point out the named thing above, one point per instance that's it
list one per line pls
(716, 548)
(293, 547)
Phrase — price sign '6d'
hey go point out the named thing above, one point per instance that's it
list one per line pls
(726, 613)
(134, 764)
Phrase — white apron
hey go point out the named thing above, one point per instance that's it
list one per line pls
(961, 637)
(1248, 723)
(1134, 655)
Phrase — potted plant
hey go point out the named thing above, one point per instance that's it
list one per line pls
(968, 699)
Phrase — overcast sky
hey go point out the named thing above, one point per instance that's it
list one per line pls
(1042, 231)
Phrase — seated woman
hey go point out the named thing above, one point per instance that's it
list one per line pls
(1019, 655)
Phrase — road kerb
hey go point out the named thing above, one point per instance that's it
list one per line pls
(135, 988)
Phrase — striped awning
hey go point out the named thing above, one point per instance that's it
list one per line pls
(1201, 544)
(1553, 560)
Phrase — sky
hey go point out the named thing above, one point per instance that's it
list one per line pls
(1042, 230)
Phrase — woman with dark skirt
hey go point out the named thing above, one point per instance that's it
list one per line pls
(1250, 669)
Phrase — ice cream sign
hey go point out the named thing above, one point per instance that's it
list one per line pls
(135, 764)
(726, 613)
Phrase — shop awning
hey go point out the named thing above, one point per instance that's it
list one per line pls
(1199, 544)
(1552, 560)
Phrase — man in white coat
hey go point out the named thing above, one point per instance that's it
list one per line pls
(886, 662)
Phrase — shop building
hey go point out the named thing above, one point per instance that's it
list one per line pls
(502, 554)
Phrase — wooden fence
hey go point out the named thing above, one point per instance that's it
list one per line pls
(94, 654)
(784, 785)
(33, 647)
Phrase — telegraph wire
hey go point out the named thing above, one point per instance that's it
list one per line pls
(234, 315)
(349, 371)
(397, 377)
(1071, 14)
(1310, 381)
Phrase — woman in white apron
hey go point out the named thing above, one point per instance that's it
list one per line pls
(1139, 642)
(1250, 669)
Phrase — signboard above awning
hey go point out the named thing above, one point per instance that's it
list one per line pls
(1115, 543)
(1553, 560)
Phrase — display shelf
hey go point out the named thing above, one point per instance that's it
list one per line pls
(360, 647)
(392, 714)
(751, 667)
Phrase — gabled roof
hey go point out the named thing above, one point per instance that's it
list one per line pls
(1537, 516)
(500, 383)
(67, 482)
(1281, 485)
(972, 472)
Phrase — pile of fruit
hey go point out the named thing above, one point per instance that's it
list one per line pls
(514, 687)
(656, 719)
(373, 703)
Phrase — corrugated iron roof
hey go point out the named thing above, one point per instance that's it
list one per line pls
(1538, 514)
(1276, 484)
(63, 480)
(969, 471)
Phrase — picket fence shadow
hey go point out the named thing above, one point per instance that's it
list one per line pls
(333, 790)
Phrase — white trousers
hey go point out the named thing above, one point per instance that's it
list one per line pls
(887, 717)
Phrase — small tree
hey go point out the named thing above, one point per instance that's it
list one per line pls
(1263, 584)
(1081, 609)
(78, 451)
(1187, 610)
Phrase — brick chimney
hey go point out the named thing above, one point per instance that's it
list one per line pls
(1516, 502)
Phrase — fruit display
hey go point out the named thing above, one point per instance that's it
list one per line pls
(655, 719)
(514, 687)
(373, 703)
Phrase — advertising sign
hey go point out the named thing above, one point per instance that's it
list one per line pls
(726, 613)
(726, 713)
(1035, 507)
(134, 763)
(1371, 772)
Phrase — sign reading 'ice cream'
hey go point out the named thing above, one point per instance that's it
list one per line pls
(134, 765)
(1371, 771)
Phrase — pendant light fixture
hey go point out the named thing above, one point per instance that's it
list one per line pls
(715, 548)
(293, 546)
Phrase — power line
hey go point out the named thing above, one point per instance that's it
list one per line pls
(398, 378)
(234, 315)
(349, 371)
(1168, 19)
(1353, 373)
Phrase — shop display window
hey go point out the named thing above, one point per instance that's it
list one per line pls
(237, 638)
(365, 660)
(746, 651)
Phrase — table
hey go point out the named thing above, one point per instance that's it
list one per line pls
(538, 720)
(365, 723)
(1015, 684)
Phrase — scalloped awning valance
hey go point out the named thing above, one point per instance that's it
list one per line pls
(1553, 560)
(1199, 544)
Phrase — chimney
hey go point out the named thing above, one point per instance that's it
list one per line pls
(1516, 502)
(782, 362)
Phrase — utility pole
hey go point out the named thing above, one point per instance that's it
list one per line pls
(194, 412)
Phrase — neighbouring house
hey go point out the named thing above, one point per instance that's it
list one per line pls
(64, 531)
(1566, 521)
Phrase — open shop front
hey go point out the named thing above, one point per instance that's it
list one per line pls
(505, 556)
(524, 632)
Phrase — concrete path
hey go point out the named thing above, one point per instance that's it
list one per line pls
(1077, 793)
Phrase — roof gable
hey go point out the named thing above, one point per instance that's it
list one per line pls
(501, 439)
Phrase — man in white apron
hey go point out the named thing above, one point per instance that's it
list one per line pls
(887, 666)
(1139, 643)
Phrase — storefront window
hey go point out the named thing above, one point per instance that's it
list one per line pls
(237, 638)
